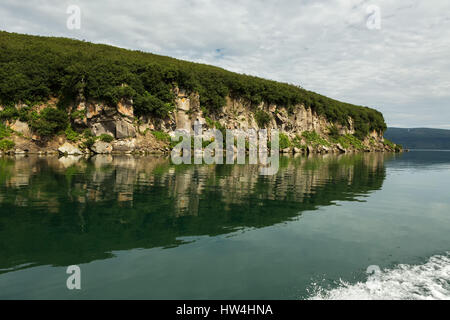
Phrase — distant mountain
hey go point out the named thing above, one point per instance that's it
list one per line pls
(420, 138)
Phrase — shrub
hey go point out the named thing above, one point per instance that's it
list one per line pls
(209, 122)
(87, 133)
(221, 128)
(348, 140)
(106, 138)
(24, 114)
(315, 139)
(333, 132)
(297, 143)
(284, 141)
(78, 114)
(6, 144)
(49, 121)
(161, 136)
(71, 134)
(89, 142)
(262, 118)
(206, 143)
(389, 143)
(9, 113)
(147, 103)
(4, 131)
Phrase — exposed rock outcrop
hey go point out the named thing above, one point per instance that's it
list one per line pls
(69, 149)
(22, 128)
(101, 147)
(124, 129)
(132, 134)
(124, 146)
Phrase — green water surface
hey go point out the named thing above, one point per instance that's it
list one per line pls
(142, 228)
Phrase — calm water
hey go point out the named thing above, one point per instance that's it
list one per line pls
(143, 228)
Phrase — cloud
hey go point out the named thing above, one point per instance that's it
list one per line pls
(402, 69)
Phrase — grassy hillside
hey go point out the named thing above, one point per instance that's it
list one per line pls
(420, 138)
(33, 68)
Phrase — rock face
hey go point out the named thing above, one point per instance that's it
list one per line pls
(69, 149)
(187, 111)
(21, 127)
(134, 135)
(107, 121)
(236, 114)
(124, 146)
(92, 110)
(103, 127)
(239, 114)
(125, 108)
(101, 147)
(340, 148)
(124, 129)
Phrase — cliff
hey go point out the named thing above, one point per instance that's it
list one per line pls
(99, 128)
(68, 96)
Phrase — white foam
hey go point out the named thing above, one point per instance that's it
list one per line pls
(429, 281)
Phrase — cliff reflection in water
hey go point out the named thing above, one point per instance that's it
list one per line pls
(71, 211)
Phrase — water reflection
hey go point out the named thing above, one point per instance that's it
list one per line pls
(74, 210)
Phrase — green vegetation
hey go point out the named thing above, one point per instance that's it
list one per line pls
(221, 128)
(284, 141)
(297, 143)
(71, 134)
(398, 148)
(34, 68)
(106, 138)
(161, 136)
(389, 143)
(12, 113)
(49, 121)
(4, 131)
(89, 142)
(262, 118)
(333, 132)
(206, 142)
(78, 114)
(209, 122)
(314, 139)
(90, 139)
(395, 147)
(87, 133)
(148, 104)
(6, 145)
(348, 140)
(9, 113)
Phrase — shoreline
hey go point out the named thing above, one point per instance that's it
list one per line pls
(167, 154)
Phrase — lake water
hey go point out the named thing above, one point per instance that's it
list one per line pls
(142, 228)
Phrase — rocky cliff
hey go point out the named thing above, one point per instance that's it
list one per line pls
(302, 130)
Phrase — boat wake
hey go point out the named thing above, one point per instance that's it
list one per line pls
(429, 281)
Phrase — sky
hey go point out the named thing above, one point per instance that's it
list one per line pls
(390, 55)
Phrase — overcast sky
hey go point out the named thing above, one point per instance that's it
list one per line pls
(333, 47)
